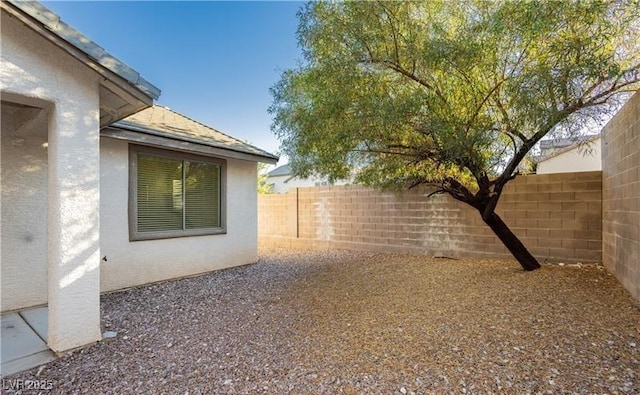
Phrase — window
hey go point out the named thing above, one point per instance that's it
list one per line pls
(174, 194)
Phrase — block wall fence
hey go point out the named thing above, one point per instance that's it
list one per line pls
(557, 216)
(621, 195)
(589, 216)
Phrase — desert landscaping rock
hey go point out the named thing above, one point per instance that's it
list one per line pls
(353, 322)
(109, 335)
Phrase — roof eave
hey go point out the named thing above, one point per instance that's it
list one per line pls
(118, 77)
(166, 140)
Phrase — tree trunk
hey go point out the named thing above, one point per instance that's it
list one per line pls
(511, 241)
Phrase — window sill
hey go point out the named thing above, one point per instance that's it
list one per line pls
(172, 234)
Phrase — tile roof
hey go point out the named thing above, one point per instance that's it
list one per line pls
(566, 142)
(162, 121)
(283, 170)
(554, 147)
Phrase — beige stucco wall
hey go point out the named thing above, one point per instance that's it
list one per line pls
(138, 262)
(35, 72)
(24, 210)
(621, 196)
(587, 158)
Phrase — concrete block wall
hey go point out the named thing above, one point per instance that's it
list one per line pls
(277, 214)
(558, 217)
(621, 196)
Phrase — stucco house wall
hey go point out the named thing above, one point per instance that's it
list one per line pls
(39, 74)
(131, 263)
(24, 209)
(576, 159)
(69, 112)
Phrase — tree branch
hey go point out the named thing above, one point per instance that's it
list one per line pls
(384, 152)
(614, 89)
(505, 116)
(390, 14)
(458, 191)
(484, 101)
(436, 192)
(399, 69)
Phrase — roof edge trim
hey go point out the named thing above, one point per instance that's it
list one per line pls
(124, 125)
(180, 144)
(52, 23)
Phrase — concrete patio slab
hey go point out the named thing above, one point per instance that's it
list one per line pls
(38, 319)
(21, 347)
(18, 339)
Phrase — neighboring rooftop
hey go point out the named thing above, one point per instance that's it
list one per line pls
(162, 122)
(554, 147)
(565, 142)
(283, 170)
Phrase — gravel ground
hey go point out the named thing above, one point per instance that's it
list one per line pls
(347, 322)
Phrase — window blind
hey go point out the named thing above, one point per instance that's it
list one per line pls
(177, 195)
(159, 207)
(202, 195)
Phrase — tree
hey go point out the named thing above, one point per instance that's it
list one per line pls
(264, 188)
(452, 94)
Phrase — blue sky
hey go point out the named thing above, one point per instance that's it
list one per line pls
(213, 61)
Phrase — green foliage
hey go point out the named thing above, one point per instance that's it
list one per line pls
(264, 188)
(453, 93)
